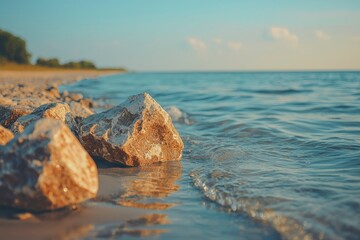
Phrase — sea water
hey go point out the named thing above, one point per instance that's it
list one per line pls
(268, 155)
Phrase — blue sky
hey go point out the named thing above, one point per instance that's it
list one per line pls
(191, 35)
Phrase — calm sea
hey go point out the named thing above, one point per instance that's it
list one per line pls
(268, 155)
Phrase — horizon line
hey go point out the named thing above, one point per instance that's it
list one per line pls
(244, 71)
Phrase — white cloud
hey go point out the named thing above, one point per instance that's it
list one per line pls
(234, 45)
(283, 34)
(217, 40)
(196, 43)
(322, 35)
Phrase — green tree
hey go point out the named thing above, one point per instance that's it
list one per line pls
(13, 48)
(80, 65)
(52, 62)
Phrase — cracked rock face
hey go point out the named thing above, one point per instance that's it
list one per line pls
(46, 168)
(137, 132)
(59, 111)
(5, 135)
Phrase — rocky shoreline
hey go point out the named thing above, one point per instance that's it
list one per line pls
(22, 92)
(48, 139)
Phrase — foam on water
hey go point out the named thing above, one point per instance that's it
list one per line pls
(278, 150)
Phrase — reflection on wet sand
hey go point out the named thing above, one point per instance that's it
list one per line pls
(138, 227)
(143, 187)
(153, 205)
(76, 232)
(151, 184)
(131, 227)
(136, 189)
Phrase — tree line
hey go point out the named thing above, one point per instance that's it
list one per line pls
(13, 49)
(54, 62)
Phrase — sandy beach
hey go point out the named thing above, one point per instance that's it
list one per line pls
(30, 87)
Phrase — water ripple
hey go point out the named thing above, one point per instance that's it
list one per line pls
(282, 148)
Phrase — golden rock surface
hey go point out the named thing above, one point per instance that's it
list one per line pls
(46, 168)
(134, 133)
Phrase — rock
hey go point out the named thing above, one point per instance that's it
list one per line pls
(80, 110)
(5, 135)
(10, 113)
(134, 133)
(46, 168)
(87, 102)
(65, 94)
(25, 216)
(177, 115)
(60, 111)
(76, 96)
(54, 91)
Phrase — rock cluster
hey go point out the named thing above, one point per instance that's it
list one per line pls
(46, 168)
(137, 132)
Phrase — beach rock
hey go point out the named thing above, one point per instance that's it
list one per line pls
(179, 116)
(10, 113)
(60, 111)
(87, 102)
(76, 96)
(5, 135)
(137, 132)
(54, 91)
(46, 168)
(65, 94)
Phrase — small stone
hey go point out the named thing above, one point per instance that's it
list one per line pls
(54, 91)
(87, 102)
(76, 96)
(59, 111)
(137, 132)
(38, 165)
(65, 94)
(25, 216)
(5, 135)
(179, 116)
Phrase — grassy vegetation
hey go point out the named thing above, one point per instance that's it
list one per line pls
(14, 56)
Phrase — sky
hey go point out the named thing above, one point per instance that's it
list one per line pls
(191, 35)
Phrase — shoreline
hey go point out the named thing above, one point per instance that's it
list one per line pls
(28, 90)
(52, 77)
(23, 91)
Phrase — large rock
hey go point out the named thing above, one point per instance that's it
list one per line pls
(46, 168)
(5, 135)
(59, 111)
(137, 132)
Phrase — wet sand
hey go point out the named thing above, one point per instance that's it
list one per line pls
(121, 206)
